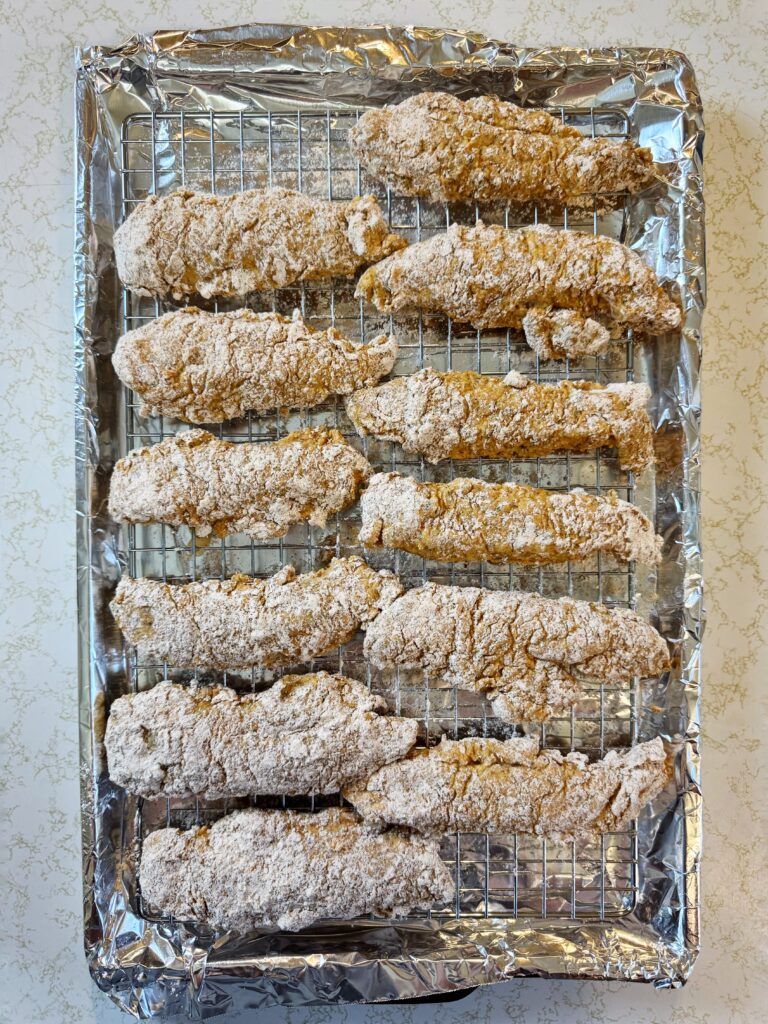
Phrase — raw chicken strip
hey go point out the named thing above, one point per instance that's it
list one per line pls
(469, 415)
(209, 367)
(244, 622)
(192, 243)
(306, 734)
(484, 785)
(525, 652)
(215, 486)
(256, 869)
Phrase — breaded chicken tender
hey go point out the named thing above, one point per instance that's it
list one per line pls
(570, 292)
(254, 869)
(527, 653)
(306, 734)
(469, 520)
(485, 149)
(210, 367)
(470, 415)
(243, 622)
(192, 243)
(219, 487)
(486, 785)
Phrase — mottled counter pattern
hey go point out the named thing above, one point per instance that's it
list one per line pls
(42, 970)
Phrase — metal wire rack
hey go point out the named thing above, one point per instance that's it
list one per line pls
(499, 876)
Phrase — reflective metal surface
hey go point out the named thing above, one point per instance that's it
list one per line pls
(255, 105)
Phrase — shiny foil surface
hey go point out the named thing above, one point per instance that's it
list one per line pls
(155, 967)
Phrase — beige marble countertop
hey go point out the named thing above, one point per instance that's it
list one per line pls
(43, 978)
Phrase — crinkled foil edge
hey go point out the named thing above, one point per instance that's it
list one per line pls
(152, 970)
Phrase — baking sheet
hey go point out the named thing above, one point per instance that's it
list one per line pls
(249, 105)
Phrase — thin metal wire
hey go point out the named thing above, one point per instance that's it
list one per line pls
(495, 875)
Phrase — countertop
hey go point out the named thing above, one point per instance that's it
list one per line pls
(43, 978)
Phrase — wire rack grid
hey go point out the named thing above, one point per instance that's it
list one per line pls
(500, 876)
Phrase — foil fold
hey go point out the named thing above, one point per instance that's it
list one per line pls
(153, 969)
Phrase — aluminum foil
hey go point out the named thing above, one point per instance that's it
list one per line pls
(153, 968)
